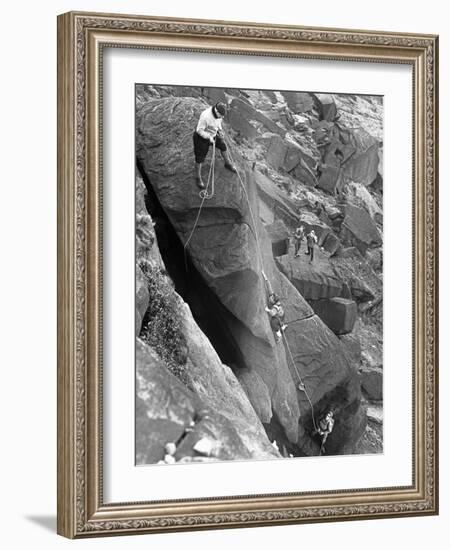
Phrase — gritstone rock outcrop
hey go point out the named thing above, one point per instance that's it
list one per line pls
(228, 250)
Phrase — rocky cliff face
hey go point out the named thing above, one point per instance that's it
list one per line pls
(293, 157)
(185, 395)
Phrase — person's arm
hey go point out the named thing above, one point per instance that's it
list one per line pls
(269, 286)
(271, 311)
(202, 126)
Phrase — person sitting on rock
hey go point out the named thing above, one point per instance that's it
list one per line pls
(311, 241)
(299, 235)
(209, 131)
(324, 428)
(275, 311)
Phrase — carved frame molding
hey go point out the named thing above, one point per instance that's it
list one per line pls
(81, 37)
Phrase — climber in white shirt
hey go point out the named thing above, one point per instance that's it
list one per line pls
(209, 131)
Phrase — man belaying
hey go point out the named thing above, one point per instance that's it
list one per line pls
(209, 131)
(324, 428)
(299, 235)
(311, 241)
(275, 311)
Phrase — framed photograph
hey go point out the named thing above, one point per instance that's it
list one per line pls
(247, 287)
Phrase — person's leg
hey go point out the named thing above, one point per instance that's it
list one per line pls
(322, 447)
(198, 175)
(312, 253)
(276, 327)
(201, 147)
(297, 246)
(220, 144)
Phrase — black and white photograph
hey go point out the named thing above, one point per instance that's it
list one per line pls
(259, 274)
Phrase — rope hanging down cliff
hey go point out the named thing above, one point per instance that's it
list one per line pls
(301, 386)
(206, 195)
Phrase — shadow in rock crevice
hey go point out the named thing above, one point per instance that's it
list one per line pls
(213, 318)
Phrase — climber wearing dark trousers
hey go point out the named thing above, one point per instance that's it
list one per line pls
(311, 241)
(299, 235)
(209, 131)
(325, 427)
(275, 311)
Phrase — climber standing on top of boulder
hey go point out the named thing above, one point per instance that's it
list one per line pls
(299, 235)
(209, 131)
(311, 241)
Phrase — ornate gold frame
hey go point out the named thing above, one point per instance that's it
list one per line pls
(81, 37)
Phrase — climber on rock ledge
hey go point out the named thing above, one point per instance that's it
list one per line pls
(209, 131)
(275, 311)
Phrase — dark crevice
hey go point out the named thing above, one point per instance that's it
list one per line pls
(213, 318)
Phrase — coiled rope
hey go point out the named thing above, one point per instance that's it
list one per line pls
(204, 195)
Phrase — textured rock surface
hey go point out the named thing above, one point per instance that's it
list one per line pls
(372, 383)
(326, 106)
(363, 168)
(224, 250)
(339, 314)
(299, 102)
(284, 144)
(359, 229)
(279, 236)
(314, 280)
(169, 412)
(166, 408)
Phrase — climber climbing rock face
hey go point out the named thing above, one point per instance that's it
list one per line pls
(326, 425)
(275, 310)
(209, 132)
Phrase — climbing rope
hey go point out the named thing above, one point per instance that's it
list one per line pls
(248, 203)
(301, 385)
(204, 195)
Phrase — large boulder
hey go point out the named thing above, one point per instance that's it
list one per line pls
(314, 280)
(279, 236)
(339, 314)
(372, 383)
(275, 199)
(242, 126)
(229, 248)
(326, 106)
(357, 275)
(363, 167)
(359, 195)
(329, 178)
(292, 158)
(169, 412)
(298, 102)
(358, 229)
(245, 110)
